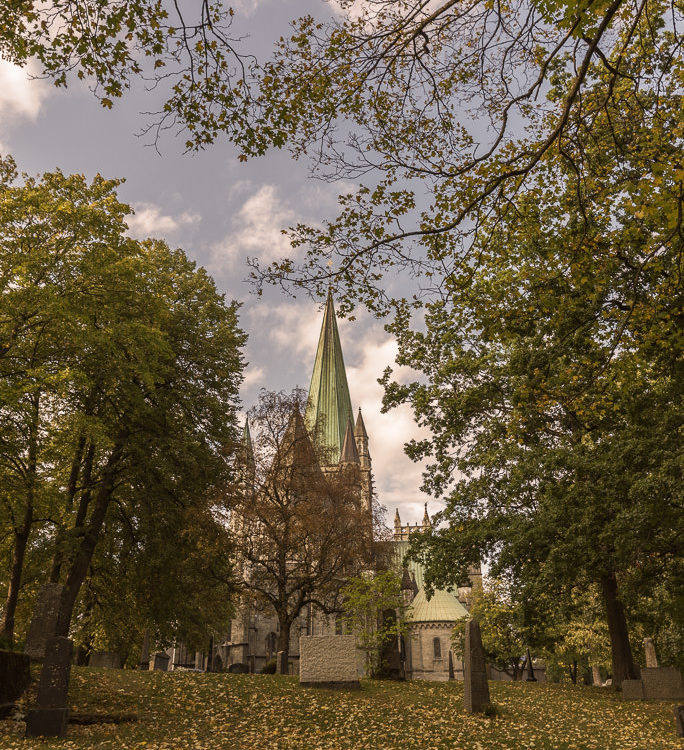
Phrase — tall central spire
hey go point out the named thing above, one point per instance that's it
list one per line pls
(328, 408)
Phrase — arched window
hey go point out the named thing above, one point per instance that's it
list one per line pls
(437, 648)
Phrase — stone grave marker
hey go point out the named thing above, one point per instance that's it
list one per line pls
(160, 662)
(106, 659)
(281, 663)
(452, 674)
(530, 668)
(44, 620)
(15, 676)
(328, 661)
(49, 717)
(679, 718)
(145, 652)
(475, 686)
(649, 649)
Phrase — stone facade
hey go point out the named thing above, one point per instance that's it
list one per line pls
(330, 661)
(427, 652)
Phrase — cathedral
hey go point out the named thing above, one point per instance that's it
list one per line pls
(425, 652)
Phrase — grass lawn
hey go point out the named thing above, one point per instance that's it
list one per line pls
(193, 711)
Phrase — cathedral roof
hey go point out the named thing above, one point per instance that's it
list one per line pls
(328, 408)
(350, 453)
(442, 607)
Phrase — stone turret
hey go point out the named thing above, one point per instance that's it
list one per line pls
(361, 438)
(350, 454)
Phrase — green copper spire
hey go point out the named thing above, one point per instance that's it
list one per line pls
(328, 408)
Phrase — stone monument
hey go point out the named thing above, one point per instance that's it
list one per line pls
(281, 663)
(106, 659)
(679, 718)
(328, 661)
(44, 620)
(452, 674)
(649, 649)
(530, 668)
(145, 652)
(475, 686)
(15, 676)
(49, 717)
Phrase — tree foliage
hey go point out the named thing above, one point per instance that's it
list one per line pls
(365, 600)
(119, 370)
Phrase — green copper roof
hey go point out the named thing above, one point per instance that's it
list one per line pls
(328, 408)
(443, 607)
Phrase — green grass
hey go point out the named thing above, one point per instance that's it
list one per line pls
(192, 711)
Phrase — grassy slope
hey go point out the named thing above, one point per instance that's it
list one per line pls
(231, 712)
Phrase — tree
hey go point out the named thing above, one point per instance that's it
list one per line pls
(502, 626)
(365, 601)
(120, 368)
(446, 111)
(188, 54)
(299, 533)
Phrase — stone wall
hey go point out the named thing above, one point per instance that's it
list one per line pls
(421, 661)
(329, 660)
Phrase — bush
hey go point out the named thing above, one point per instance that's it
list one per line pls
(269, 667)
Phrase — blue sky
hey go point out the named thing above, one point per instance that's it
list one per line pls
(220, 211)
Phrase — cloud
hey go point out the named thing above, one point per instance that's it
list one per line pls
(256, 231)
(21, 96)
(253, 375)
(149, 220)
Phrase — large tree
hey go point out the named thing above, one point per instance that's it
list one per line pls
(523, 163)
(119, 367)
(299, 533)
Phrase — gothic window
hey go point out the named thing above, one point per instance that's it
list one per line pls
(437, 648)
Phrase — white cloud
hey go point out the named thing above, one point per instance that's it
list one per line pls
(253, 375)
(256, 231)
(149, 220)
(21, 96)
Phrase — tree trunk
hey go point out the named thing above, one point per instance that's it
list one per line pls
(20, 541)
(22, 534)
(621, 651)
(284, 638)
(84, 553)
(573, 671)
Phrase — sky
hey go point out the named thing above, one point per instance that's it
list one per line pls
(221, 211)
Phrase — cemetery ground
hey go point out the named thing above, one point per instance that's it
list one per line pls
(196, 711)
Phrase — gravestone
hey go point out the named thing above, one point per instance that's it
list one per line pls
(662, 684)
(238, 668)
(452, 674)
(160, 662)
(649, 649)
(281, 663)
(329, 661)
(44, 620)
(475, 687)
(632, 690)
(199, 661)
(656, 684)
(106, 659)
(530, 668)
(145, 652)
(49, 717)
(15, 676)
(679, 718)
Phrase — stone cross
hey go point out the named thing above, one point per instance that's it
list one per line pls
(475, 687)
(649, 648)
(49, 717)
(44, 620)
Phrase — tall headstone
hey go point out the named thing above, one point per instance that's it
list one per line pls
(649, 649)
(530, 668)
(475, 687)
(199, 660)
(145, 652)
(281, 663)
(44, 620)
(452, 674)
(49, 717)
